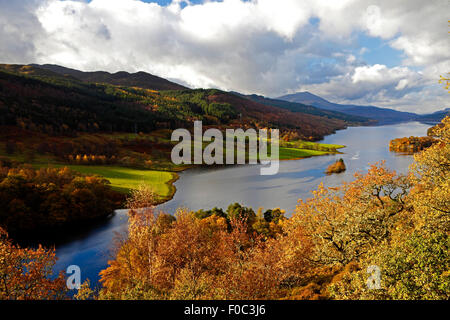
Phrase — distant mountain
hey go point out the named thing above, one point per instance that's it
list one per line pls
(435, 117)
(308, 109)
(122, 78)
(382, 115)
(312, 100)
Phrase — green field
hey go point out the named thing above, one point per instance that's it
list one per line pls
(294, 153)
(124, 179)
(305, 149)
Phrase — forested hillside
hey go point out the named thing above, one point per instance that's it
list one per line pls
(41, 100)
(309, 109)
(139, 79)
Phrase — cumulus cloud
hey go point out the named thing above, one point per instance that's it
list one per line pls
(259, 46)
(375, 84)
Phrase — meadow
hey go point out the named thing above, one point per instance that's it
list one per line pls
(125, 179)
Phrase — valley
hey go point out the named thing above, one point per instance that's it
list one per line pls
(72, 151)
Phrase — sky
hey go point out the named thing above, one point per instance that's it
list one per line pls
(387, 53)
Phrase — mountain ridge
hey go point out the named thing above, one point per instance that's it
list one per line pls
(304, 108)
(382, 115)
(139, 79)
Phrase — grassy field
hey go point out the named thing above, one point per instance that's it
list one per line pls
(294, 153)
(305, 149)
(300, 144)
(288, 153)
(125, 179)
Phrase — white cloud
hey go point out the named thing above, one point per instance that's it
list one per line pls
(402, 84)
(379, 24)
(19, 28)
(260, 46)
(382, 75)
(375, 73)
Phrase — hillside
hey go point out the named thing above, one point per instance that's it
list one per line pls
(309, 109)
(382, 115)
(435, 117)
(56, 106)
(139, 79)
(42, 100)
(310, 127)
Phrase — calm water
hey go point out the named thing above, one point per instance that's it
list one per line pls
(208, 188)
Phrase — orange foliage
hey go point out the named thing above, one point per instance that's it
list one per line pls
(25, 274)
(200, 258)
(337, 167)
(344, 222)
(411, 144)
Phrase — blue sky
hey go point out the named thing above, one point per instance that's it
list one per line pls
(378, 52)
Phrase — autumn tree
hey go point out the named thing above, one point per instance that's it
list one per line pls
(202, 255)
(412, 266)
(344, 222)
(414, 261)
(48, 198)
(26, 274)
(431, 178)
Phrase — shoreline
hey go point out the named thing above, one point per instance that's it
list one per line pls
(173, 188)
